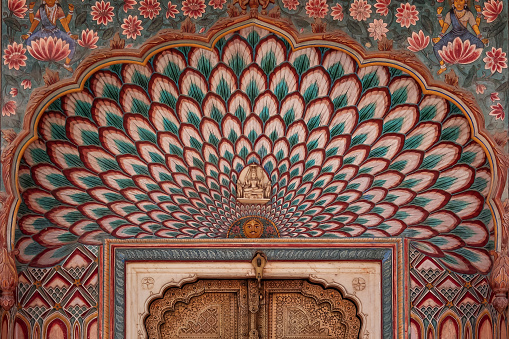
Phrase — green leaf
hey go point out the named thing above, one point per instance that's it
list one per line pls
(10, 80)
(427, 24)
(37, 72)
(155, 25)
(108, 34)
(354, 27)
(470, 76)
(13, 23)
(301, 23)
(80, 19)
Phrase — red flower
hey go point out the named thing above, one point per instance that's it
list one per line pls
(13, 92)
(17, 7)
(382, 6)
(377, 29)
(26, 84)
(407, 15)
(418, 42)
(193, 8)
(495, 60)
(217, 3)
(460, 52)
(129, 4)
(480, 88)
(9, 108)
(88, 39)
(49, 49)
(360, 10)
(102, 12)
(172, 10)
(491, 10)
(337, 12)
(494, 96)
(132, 27)
(497, 111)
(291, 4)
(14, 56)
(317, 8)
(149, 8)
(202, 30)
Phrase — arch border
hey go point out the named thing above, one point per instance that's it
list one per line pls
(98, 59)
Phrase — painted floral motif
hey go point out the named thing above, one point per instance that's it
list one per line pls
(377, 29)
(14, 56)
(26, 84)
(193, 8)
(495, 60)
(497, 111)
(407, 15)
(317, 8)
(172, 10)
(88, 39)
(459, 52)
(49, 49)
(382, 7)
(131, 27)
(337, 12)
(13, 92)
(9, 108)
(360, 10)
(149, 8)
(102, 12)
(418, 42)
(291, 4)
(129, 4)
(494, 96)
(480, 88)
(217, 4)
(17, 7)
(492, 9)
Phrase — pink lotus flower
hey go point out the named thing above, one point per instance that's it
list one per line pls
(317, 8)
(129, 4)
(17, 7)
(382, 7)
(14, 56)
(360, 10)
(49, 49)
(193, 8)
(102, 12)
(13, 92)
(149, 8)
(132, 27)
(337, 12)
(9, 108)
(88, 39)
(495, 60)
(407, 15)
(26, 84)
(377, 29)
(172, 10)
(217, 3)
(480, 88)
(418, 42)
(291, 4)
(460, 52)
(497, 111)
(491, 10)
(494, 96)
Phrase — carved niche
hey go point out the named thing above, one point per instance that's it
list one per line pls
(280, 309)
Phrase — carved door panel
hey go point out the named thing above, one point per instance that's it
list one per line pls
(206, 309)
(297, 309)
(230, 309)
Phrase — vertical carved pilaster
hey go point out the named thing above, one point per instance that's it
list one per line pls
(8, 278)
(499, 279)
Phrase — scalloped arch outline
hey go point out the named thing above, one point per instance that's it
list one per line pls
(98, 59)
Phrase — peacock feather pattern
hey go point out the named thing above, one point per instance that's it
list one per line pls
(155, 150)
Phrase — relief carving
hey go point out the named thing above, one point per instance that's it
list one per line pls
(499, 278)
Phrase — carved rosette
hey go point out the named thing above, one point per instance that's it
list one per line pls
(8, 278)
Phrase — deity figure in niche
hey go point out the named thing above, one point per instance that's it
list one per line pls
(459, 18)
(47, 15)
(253, 185)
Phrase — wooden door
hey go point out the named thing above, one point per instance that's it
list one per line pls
(231, 309)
